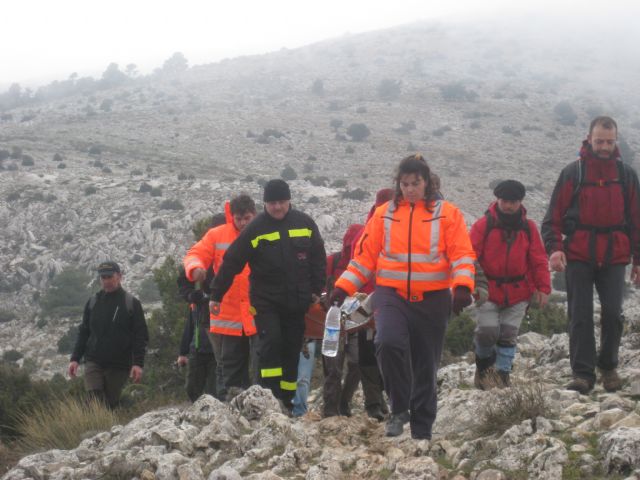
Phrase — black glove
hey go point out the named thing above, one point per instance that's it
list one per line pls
(196, 297)
(337, 296)
(461, 298)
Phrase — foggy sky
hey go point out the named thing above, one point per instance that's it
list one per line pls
(41, 41)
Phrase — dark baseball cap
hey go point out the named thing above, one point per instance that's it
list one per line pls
(108, 268)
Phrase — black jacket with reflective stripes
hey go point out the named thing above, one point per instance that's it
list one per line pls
(287, 261)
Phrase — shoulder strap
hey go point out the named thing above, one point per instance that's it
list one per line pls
(128, 300)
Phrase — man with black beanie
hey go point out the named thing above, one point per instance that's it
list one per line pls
(287, 259)
(511, 270)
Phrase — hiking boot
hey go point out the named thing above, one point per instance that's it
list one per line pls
(375, 412)
(395, 424)
(483, 378)
(610, 380)
(579, 384)
(503, 379)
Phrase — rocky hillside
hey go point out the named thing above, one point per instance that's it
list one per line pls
(535, 429)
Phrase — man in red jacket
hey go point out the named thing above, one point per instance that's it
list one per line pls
(514, 264)
(591, 230)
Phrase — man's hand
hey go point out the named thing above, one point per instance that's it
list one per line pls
(481, 295)
(540, 298)
(635, 275)
(461, 299)
(136, 374)
(73, 369)
(337, 296)
(558, 261)
(214, 308)
(199, 274)
(182, 361)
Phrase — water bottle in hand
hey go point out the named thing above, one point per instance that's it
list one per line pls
(331, 339)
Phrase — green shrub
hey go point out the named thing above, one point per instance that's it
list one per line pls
(358, 131)
(318, 87)
(27, 161)
(67, 294)
(158, 224)
(12, 355)
(62, 166)
(148, 291)
(68, 340)
(95, 150)
(145, 187)
(340, 183)
(357, 194)
(389, 89)
(16, 153)
(106, 105)
(169, 204)
(57, 157)
(90, 190)
(457, 92)
(155, 192)
(438, 132)
(546, 321)
(565, 114)
(6, 315)
(559, 281)
(319, 181)
(335, 123)
(459, 336)
(288, 173)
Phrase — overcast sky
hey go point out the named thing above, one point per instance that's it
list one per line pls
(44, 40)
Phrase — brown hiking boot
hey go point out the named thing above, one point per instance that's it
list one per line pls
(579, 384)
(504, 380)
(610, 380)
(485, 373)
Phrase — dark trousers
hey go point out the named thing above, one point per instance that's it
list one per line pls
(201, 375)
(609, 282)
(409, 341)
(238, 354)
(337, 394)
(280, 333)
(216, 346)
(369, 372)
(105, 384)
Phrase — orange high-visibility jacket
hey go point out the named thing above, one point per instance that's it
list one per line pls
(412, 250)
(235, 310)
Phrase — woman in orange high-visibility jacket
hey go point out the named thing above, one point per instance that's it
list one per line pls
(419, 250)
(234, 324)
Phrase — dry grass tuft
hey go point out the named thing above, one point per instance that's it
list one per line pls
(63, 423)
(510, 406)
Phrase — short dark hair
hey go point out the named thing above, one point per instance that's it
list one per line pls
(605, 122)
(242, 204)
(418, 165)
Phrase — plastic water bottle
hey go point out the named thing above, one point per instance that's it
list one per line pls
(331, 339)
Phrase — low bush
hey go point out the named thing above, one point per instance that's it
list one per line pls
(389, 89)
(158, 224)
(57, 157)
(155, 192)
(546, 321)
(12, 355)
(514, 405)
(340, 183)
(457, 92)
(438, 132)
(565, 114)
(357, 194)
(358, 132)
(68, 340)
(90, 190)
(6, 315)
(458, 339)
(559, 281)
(67, 294)
(95, 150)
(148, 291)
(62, 165)
(171, 204)
(288, 173)
(27, 161)
(145, 187)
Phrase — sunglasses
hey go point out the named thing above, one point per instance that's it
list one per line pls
(106, 276)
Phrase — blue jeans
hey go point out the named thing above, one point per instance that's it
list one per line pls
(305, 371)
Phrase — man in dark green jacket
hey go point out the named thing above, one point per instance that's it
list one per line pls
(112, 338)
(287, 259)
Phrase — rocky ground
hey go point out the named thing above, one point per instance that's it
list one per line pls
(570, 436)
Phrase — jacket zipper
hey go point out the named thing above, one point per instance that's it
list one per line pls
(409, 254)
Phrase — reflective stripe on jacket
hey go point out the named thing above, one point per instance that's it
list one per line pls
(235, 310)
(413, 250)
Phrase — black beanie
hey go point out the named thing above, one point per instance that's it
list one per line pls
(509, 190)
(275, 190)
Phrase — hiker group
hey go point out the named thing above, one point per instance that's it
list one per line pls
(258, 286)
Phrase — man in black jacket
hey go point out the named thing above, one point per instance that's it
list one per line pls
(112, 338)
(287, 258)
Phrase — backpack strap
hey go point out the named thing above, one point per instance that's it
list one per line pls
(128, 301)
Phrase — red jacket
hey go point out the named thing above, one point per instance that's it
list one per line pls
(513, 271)
(600, 204)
